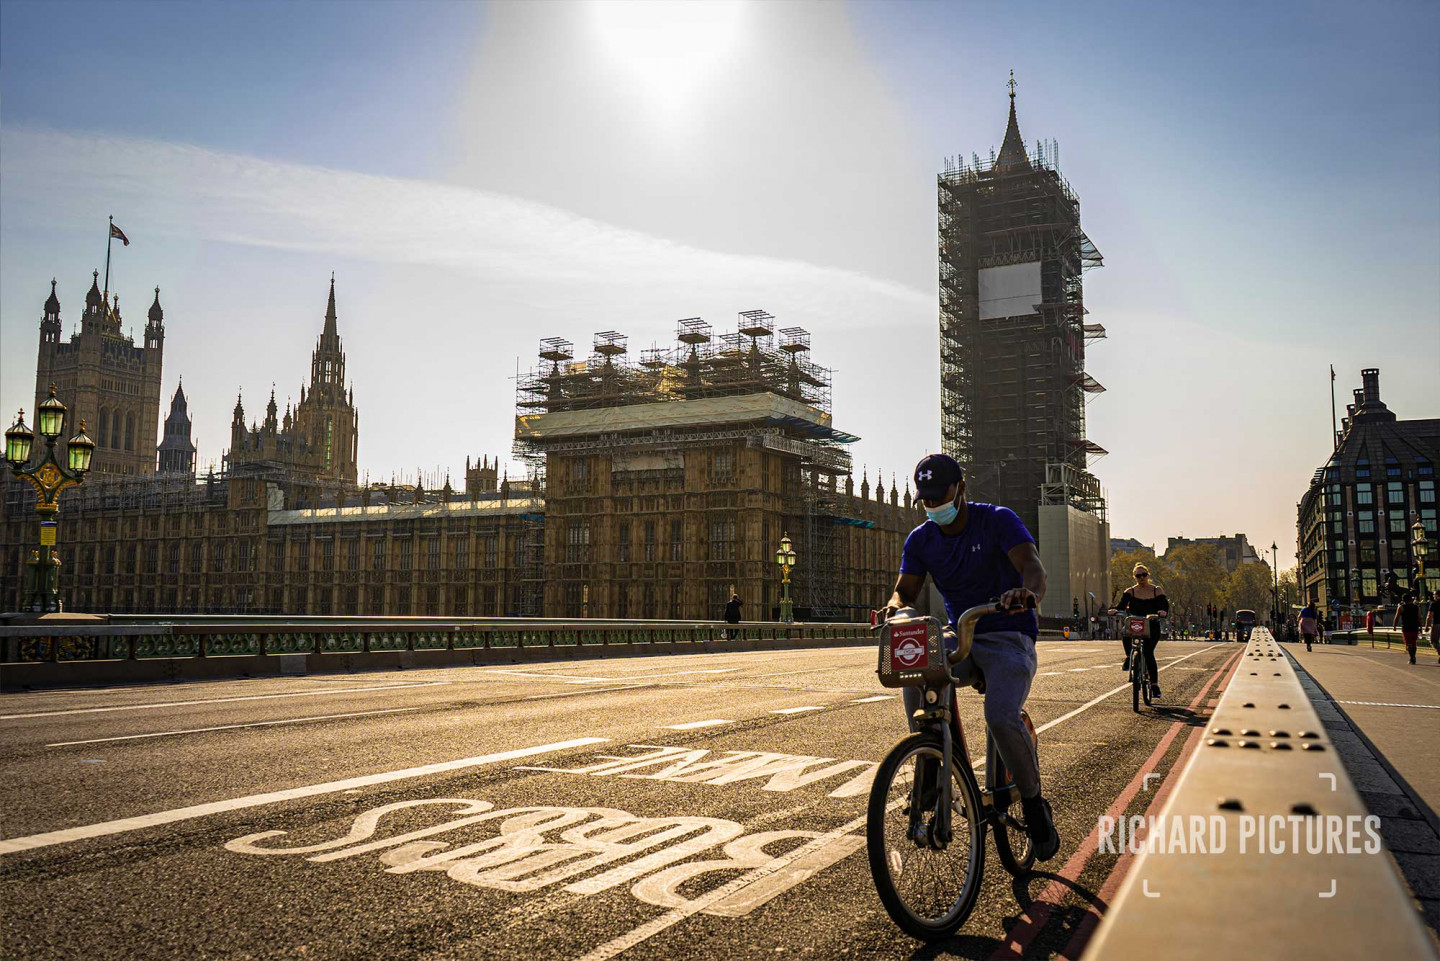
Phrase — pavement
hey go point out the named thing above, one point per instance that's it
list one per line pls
(1383, 714)
(696, 806)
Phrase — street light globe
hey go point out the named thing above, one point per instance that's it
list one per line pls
(1417, 538)
(17, 442)
(50, 416)
(81, 448)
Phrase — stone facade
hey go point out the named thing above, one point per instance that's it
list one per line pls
(105, 380)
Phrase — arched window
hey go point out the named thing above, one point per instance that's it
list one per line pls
(130, 430)
(101, 437)
(115, 426)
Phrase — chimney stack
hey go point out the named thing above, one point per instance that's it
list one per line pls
(1370, 377)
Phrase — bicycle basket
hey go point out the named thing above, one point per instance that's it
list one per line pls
(1136, 627)
(912, 653)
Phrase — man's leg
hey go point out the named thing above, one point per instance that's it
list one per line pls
(1435, 639)
(1008, 661)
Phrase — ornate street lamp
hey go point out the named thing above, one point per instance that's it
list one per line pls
(49, 477)
(785, 557)
(1419, 547)
(1275, 591)
(1355, 593)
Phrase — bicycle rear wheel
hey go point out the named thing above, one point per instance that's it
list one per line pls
(928, 891)
(1012, 842)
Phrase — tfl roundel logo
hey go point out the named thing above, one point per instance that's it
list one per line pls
(1137, 625)
(907, 647)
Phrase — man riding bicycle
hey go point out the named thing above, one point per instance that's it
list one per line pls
(974, 553)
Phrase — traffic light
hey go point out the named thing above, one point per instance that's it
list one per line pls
(1075, 606)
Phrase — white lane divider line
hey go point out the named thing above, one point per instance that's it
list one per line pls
(223, 700)
(11, 845)
(233, 727)
(877, 697)
(696, 725)
(1049, 673)
(1433, 707)
(676, 915)
(588, 690)
(798, 710)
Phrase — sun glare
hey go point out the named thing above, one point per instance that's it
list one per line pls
(670, 47)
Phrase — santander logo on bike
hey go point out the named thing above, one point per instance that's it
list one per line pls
(907, 646)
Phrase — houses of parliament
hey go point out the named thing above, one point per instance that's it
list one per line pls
(657, 485)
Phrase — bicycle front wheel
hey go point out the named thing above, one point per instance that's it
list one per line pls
(928, 888)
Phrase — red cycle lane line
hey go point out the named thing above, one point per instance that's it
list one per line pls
(1088, 923)
(1033, 920)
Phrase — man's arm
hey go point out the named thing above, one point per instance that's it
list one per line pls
(907, 590)
(1032, 576)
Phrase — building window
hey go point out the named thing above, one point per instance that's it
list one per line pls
(352, 562)
(649, 546)
(1363, 494)
(675, 596)
(622, 600)
(152, 560)
(377, 555)
(1397, 523)
(300, 554)
(327, 555)
(1365, 522)
(130, 431)
(1362, 468)
(402, 601)
(580, 469)
(491, 545)
(1424, 468)
(1427, 492)
(462, 553)
(577, 542)
(622, 543)
(574, 600)
(432, 600)
(244, 557)
(722, 540)
(1395, 492)
(110, 559)
(677, 540)
(722, 467)
(432, 554)
(195, 558)
(405, 549)
(173, 561)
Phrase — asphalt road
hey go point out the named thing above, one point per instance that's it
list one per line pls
(262, 818)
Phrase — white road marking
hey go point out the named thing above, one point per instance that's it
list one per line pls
(593, 690)
(1433, 707)
(222, 700)
(798, 710)
(674, 916)
(11, 845)
(1079, 669)
(592, 679)
(232, 727)
(877, 697)
(1049, 673)
(694, 725)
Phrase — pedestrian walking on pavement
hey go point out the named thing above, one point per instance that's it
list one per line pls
(1407, 616)
(732, 616)
(1432, 622)
(1309, 623)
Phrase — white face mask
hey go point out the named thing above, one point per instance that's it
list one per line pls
(943, 515)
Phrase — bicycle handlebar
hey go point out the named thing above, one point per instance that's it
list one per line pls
(965, 625)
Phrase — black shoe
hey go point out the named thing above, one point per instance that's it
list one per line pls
(1126, 666)
(1155, 691)
(1040, 826)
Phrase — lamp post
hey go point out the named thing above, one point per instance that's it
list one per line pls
(785, 557)
(1275, 591)
(49, 477)
(1419, 547)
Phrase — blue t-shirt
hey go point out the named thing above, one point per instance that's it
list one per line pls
(973, 566)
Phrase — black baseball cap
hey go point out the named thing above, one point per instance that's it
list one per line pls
(934, 475)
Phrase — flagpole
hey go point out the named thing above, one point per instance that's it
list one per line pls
(109, 236)
(1334, 430)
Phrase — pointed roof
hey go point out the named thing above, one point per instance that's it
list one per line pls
(179, 403)
(93, 298)
(330, 331)
(156, 313)
(52, 303)
(1012, 151)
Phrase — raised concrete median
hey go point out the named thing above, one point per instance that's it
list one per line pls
(1265, 848)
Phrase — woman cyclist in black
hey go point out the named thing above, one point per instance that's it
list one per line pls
(1140, 599)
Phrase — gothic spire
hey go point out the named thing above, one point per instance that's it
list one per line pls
(1012, 151)
(93, 298)
(330, 332)
(156, 313)
(52, 303)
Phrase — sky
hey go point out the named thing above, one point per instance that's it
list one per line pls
(1262, 179)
